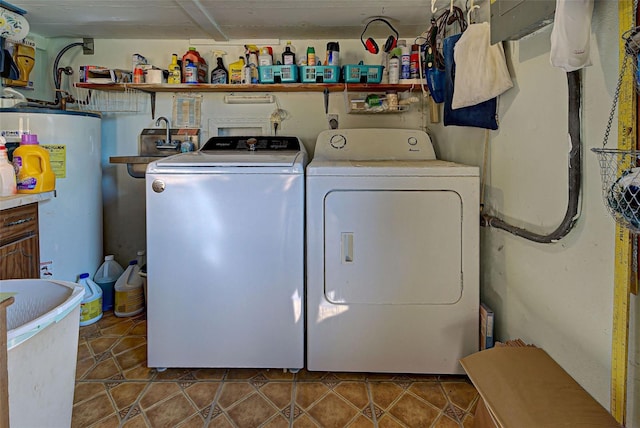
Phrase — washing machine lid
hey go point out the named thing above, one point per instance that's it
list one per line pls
(390, 168)
(240, 151)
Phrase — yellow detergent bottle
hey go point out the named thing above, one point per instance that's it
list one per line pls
(33, 166)
(235, 71)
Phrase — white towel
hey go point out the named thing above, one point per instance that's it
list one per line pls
(571, 34)
(481, 69)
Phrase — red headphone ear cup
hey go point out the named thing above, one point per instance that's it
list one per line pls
(390, 44)
(372, 46)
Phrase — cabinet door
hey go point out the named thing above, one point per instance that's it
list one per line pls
(20, 259)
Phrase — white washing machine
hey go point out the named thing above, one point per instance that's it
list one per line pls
(392, 254)
(225, 255)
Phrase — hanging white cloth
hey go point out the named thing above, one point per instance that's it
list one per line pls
(481, 69)
(571, 34)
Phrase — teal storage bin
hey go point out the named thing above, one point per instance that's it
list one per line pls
(320, 74)
(361, 73)
(278, 73)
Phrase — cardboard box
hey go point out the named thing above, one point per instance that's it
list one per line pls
(524, 387)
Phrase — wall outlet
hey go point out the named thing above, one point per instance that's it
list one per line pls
(332, 119)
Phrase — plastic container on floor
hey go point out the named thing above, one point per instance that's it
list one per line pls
(91, 305)
(106, 277)
(129, 292)
(42, 348)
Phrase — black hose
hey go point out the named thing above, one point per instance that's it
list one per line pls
(575, 175)
(56, 75)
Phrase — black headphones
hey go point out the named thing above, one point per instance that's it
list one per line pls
(371, 45)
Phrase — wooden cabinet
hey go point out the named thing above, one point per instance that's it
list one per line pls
(19, 244)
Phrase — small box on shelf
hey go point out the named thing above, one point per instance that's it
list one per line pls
(320, 74)
(278, 73)
(360, 73)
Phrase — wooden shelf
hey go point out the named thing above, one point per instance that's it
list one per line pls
(286, 87)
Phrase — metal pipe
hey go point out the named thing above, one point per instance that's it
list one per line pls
(56, 74)
(575, 176)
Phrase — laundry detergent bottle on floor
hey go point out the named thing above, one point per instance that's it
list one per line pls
(129, 292)
(33, 166)
(91, 305)
(106, 277)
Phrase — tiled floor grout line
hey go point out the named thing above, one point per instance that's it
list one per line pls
(371, 404)
(136, 404)
(292, 406)
(216, 397)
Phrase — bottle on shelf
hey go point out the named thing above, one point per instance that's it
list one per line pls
(394, 69)
(414, 59)
(7, 173)
(236, 71)
(190, 72)
(289, 55)
(32, 164)
(265, 58)
(175, 74)
(219, 75)
(311, 56)
(405, 61)
(201, 72)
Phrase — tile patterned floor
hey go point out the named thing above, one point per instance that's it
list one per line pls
(115, 388)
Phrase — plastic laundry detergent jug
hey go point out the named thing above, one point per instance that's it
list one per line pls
(106, 277)
(129, 292)
(33, 166)
(91, 305)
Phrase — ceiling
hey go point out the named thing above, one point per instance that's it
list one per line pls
(224, 20)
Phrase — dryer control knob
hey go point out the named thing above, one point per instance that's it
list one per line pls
(338, 141)
(158, 186)
(252, 142)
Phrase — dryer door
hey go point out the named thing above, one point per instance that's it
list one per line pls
(393, 247)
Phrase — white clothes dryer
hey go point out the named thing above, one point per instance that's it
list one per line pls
(392, 254)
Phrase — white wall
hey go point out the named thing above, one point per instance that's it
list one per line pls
(557, 296)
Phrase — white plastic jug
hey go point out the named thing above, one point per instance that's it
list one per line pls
(106, 277)
(129, 292)
(91, 305)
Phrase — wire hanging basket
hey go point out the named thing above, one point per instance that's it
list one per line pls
(619, 168)
(620, 178)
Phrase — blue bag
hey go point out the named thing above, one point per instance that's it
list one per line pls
(483, 115)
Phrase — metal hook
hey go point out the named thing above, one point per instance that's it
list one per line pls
(451, 7)
(471, 9)
(433, 6)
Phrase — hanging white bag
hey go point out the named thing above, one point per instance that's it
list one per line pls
(571, 34)
(481, 68)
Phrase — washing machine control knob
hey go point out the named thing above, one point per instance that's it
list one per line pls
(338, 141)
(158, 186)
(412, 141)
(252, 142)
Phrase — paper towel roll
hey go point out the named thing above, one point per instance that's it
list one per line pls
(13, 26)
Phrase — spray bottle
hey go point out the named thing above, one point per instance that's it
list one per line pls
(251, 68)
(219, 75)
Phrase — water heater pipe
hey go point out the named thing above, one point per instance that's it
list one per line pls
(575, 176)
